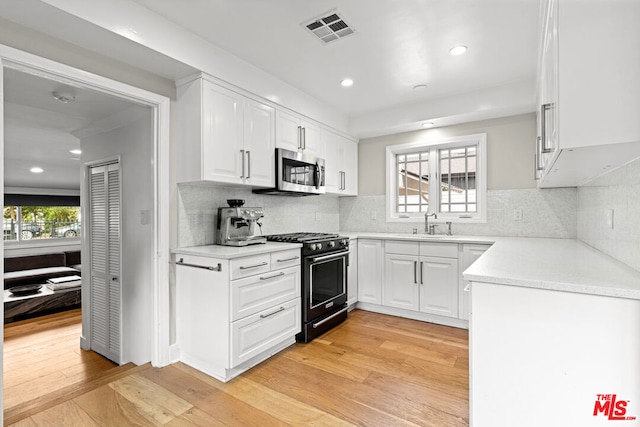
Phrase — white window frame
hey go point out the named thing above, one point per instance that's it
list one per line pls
(480, 140)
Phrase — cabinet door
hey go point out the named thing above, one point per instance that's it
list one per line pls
(401, 287)
(370, 269)
(259, 144)
(350, 168)
(287, 131)
(439, 286)
(470, 253)
(333, 163)
(352, 274)
(311, 140)
(222, 134)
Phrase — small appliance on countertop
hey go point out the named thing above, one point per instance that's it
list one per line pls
(237, 225)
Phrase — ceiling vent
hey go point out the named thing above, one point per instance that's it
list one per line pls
(329, 28)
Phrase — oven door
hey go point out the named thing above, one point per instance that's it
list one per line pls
(325, 287)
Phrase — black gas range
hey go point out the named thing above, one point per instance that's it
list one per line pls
(325, 258)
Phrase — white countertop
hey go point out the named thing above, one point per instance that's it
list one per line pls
(420, 237)
(555, 264)
(231, 252)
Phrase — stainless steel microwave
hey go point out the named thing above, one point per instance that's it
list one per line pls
(297, 174)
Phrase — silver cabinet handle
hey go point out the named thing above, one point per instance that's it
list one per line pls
(344, 180)
(288, 259)
(248, 164)
(299, 137)
(304, 139)
(422, 272)
(264, 316)
(271, 277)
(543, 126)
(206, 267)
(242, 160)
(415, 272)
(247, 267)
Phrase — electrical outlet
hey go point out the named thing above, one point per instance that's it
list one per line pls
(517, 214)
(317, 216)
(610, 218)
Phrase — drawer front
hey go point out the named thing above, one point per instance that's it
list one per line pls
(257, 293)
(442, 250)
(250, 266)
(284, 259)
(401, 247)
(254, 334)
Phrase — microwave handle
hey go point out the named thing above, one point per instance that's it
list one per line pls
(318, 176)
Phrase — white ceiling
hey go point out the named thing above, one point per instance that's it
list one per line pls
(399, 44)
(40, 131)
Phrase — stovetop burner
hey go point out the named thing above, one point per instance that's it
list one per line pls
(300, 237)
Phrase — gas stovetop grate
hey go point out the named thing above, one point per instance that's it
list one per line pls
(300, 237)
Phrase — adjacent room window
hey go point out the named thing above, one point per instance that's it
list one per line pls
(446, 177)
(33, 222)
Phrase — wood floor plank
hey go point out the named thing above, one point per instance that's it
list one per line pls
(66, 414)
(420, 353)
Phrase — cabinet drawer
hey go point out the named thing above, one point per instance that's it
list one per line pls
(256, 333)
(443, 250)
(401, 247)
(250, 266)
(257, 293)
(284, 259)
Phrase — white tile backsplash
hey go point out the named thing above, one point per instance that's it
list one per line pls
(198, 212)
(546, 213)
(617, 191)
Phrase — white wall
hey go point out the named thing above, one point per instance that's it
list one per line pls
(134, 143)
(617, 191)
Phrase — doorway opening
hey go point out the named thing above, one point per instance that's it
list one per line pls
(146, 319)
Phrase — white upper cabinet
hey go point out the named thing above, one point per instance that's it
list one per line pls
(588, 90)
(224, 136)
(297, 134)
(341, 167)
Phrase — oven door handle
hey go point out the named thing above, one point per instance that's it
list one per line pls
(337, 313)
(326, 257)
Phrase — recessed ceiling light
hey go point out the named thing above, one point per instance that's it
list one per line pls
(346, 82)
(75, 152)
(36, 169)
(458, 50)
(418, 88)
(428, 125)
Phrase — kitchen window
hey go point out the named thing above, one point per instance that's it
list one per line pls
(446, 177)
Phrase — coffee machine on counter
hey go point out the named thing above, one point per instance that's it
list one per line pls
(237, 225)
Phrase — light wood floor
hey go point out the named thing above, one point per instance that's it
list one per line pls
(373, 370)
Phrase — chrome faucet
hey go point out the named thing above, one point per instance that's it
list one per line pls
(427, 229)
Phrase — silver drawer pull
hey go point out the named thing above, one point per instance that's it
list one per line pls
(271, 277)
(315, 325)
(206, 267)
(288, 259)
(247, 267)
(263, 316)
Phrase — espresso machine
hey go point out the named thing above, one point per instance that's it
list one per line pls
(237, 225)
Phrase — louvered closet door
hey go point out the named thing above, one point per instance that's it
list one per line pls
(105, 311)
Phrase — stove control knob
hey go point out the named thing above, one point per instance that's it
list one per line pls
(344, 242)
(332, 244)
(319, 246)
(313, 246)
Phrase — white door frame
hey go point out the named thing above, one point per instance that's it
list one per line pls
(35, 65)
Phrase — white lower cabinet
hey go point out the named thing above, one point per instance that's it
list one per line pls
(470, 253)
(370, 259)
(428, 284)
(232, 314)
(352, 274)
